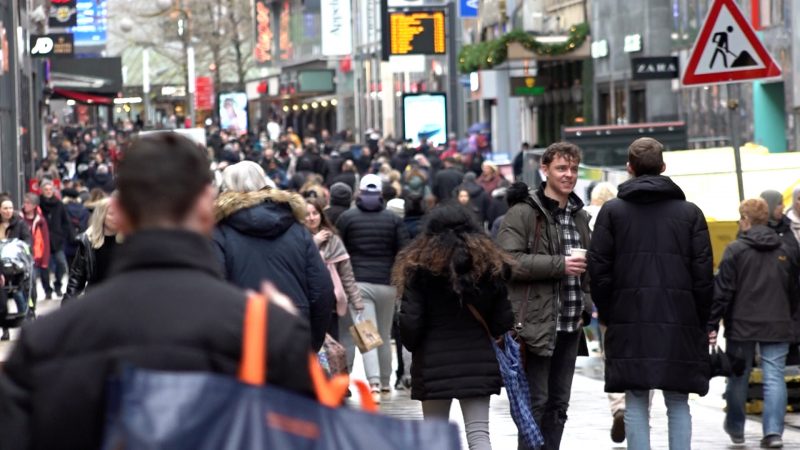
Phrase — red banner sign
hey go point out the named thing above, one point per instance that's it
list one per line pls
(204, 94)
(264, 35)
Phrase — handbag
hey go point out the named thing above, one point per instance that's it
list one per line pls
(333, 357)
(513, 373)
(365, 335)
(202, 411)
(726, 364)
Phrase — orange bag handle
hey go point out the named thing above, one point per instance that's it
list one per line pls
(253, 366)
(331, 392)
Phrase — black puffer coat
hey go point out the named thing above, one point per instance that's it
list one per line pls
(58, 222)
(373, 238)
(756, 290)
(452, 356)
(652, 281)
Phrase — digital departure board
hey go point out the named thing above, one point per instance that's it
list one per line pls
(417, 33)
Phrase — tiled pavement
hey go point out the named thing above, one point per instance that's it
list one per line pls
(590, 420)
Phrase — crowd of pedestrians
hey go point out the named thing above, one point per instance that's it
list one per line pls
(427, 244)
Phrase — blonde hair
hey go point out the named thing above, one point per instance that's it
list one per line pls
(755, 210)
(603, 192)
(96, 230)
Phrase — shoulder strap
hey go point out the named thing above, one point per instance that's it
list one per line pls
(479, 318)
(253, 366)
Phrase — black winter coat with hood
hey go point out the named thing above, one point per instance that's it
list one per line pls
(452, 355)
(651, 276)
(756, 288)
(373, 238)
(260, 237)
(166, 307)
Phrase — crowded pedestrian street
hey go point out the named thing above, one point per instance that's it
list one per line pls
(399, 224)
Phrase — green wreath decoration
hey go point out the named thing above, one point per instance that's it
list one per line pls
(487, 54)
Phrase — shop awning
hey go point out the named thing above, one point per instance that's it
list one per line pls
(83, 97)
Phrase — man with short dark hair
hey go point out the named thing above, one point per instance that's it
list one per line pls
(445, 181)
(165, 307)
(651, 275)
(548, 284)
(60, 230)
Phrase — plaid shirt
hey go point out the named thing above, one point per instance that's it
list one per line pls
(569, 314)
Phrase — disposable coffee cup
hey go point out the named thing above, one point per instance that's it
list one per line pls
(578, 253)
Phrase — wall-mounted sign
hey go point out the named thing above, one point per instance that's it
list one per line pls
(264, 35)
(204, 94)
(468, 8)
(425, 117)
(55, 44)
(417, 33)
(599, 49)
(63, 13)
(92, 23)
(655, 68)
(337, 32)
(285, 47)
(525, 87)
(315, 81)
(633, 43)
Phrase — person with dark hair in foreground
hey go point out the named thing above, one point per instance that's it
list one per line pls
(164, 307)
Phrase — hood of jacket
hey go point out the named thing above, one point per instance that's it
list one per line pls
(266, 213)
(650, 189)
(761, 238)
(370, 202)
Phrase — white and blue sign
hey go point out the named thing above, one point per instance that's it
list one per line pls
(92, 29)
(469, 8)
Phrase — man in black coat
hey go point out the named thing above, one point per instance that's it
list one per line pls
(447, 180)
(650, 267)
(165, 307)
(373, 237)
(60, 229)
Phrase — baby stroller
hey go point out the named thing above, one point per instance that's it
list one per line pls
(16, 267)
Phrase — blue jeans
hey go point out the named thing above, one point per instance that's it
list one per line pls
(637, 420)
(21, 301)
(773, 363)
(58, 264)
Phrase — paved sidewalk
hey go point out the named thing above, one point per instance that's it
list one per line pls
(590, 420)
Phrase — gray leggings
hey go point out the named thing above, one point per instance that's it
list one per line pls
(379, 307)
(476, 418)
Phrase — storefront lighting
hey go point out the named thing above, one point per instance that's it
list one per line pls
(285, 109)
(90, 101)
(119, 110)
(124, 100)
(305, 107)
(314, 105)
(209, 122)
(334, 102)
(295, 107)
(70, 102)
(324, 104)
(126, 108)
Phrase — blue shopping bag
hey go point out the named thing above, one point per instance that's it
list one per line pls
(203, 411)
(513, 373)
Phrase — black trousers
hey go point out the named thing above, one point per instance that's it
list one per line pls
(550, 381)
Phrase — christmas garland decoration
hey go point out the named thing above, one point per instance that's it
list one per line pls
(485, 55)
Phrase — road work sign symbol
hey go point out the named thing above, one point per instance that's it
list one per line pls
(728, 50)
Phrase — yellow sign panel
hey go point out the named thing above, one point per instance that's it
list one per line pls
(417, 33)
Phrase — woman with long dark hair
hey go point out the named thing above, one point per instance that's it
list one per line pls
(451, 265)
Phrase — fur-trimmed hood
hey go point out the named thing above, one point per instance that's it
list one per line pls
(267, 213)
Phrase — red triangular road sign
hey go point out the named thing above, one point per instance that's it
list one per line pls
(728, 50)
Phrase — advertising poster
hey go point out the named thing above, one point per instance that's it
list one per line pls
(233, 111)
(425, 116)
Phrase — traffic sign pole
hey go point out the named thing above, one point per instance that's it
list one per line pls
(733, 120)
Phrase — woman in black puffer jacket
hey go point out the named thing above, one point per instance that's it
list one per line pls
(451, 265)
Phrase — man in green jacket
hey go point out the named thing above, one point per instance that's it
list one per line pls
(547, 234)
